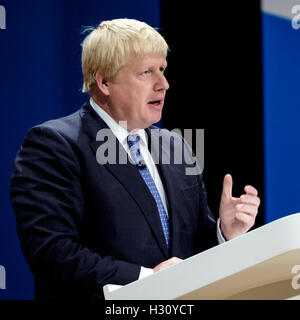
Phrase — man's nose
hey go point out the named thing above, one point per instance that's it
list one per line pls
(161, 83)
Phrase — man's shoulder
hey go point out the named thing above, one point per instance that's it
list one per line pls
(65, 125)
(68, 126)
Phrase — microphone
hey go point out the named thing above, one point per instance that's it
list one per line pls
(141, 165)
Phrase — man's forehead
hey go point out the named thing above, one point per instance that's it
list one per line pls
(150, 59)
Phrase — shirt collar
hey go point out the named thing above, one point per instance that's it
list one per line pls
(120, 133)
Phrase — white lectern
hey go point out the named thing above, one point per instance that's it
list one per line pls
(256, 265)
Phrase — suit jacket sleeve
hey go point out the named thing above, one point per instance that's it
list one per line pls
(207, 224)
(47, 198)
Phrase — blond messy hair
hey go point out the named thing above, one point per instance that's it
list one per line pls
(113, 43)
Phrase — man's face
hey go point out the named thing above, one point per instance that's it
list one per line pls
(137, 93)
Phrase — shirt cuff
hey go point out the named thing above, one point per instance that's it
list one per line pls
(145, 272)
(220, 237)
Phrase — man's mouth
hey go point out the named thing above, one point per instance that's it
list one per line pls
(155, 102)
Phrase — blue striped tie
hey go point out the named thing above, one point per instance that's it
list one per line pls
(134, 147)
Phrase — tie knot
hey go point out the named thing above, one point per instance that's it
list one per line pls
(133, 139)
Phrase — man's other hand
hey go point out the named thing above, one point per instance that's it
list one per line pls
(166, 264)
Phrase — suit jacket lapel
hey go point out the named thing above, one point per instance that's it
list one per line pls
(167, 174)
(127, 174)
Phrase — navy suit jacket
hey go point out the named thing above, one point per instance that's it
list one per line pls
(83, 224)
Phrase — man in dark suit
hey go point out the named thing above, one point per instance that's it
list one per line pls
(85, 220)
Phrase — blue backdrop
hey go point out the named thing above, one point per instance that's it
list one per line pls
(281, 74)
(41, 80)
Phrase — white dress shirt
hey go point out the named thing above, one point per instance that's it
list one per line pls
(121, 134)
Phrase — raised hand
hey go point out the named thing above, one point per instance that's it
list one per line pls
(237, 215)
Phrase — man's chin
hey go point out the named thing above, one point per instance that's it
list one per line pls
(154, 120)
(148, 121)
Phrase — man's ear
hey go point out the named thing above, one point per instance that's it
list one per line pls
(102, 83)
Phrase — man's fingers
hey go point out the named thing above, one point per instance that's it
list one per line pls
(174, 260)
(171, 261)
(245, 218)
(250, 199)
(227, 186)
(167, 263)
(247, 208)
(251, 190)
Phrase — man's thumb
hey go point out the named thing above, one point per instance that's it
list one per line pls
(227, 186)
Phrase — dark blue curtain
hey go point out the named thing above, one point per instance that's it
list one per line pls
(40, 79)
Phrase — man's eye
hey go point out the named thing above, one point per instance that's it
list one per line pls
(146, 72)
(162, 69)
